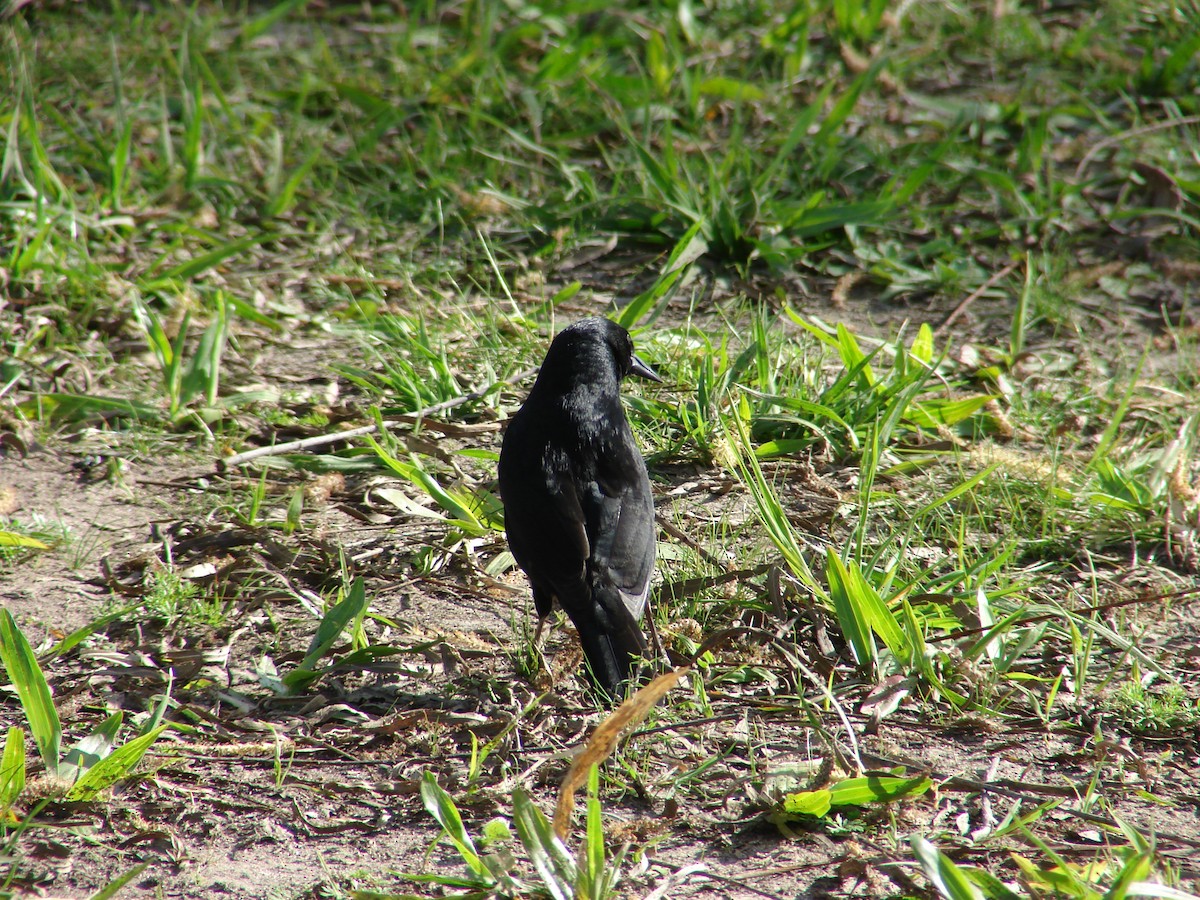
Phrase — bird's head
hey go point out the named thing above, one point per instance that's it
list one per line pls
(592, 348)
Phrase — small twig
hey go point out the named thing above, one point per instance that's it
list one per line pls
(684, 538)
(689, 587)
(407, 419)
(733, 882)
(656, 641)
(303, 444)
(1180, 594)
(971, 298)
(689, 723)
(1125, 135)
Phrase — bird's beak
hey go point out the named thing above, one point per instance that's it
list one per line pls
(639, 368)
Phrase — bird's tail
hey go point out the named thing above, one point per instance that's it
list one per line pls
(612, 642)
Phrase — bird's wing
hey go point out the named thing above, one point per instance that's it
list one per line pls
(564, 565)
(619, 516)
(545, 526)
(619, 511)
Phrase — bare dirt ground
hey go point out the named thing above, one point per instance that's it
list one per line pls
(263, 795)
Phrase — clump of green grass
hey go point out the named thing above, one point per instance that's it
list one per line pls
(178, 600)
(491, 868)
(1168, 710)
(169, 595)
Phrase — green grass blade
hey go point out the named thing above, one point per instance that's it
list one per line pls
(852, 618)
(922, 345)
(808, 803)
(27, 677)
(193, 134)
(12, 539)
(898, 406)
(932, 414)
(295, 509)
(1136, 868)
(1159, 891)
(120, 165)
(845, 104)
(172, 373)
(547, 852)
(115, 886)
(12, 768)
(115, 767)
(23, 259)
(993, 888)
(592, 873)
(1118, 416)
(873, 610)
(263, 23)
(768, 508)
(286, 195)
(76, 637)
(441, 806)
(333, 623)
(463, 515)
(203, 373)
(946, 877)
(868, 789)
(46, 179)
(957, 491)
(690, 247)
(92, 749)
(164, 704)
(808, 220)
(198, 265)
(156, 335)
(62, 407)
(853, 357)
(1016, 340)
(799, 134)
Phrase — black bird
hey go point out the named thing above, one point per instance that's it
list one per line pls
(577, 503)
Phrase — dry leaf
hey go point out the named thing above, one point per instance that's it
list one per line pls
(603, 742)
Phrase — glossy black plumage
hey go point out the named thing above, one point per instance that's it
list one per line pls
(577, 504)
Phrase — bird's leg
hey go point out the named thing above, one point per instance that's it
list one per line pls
(543, 602)
(657, 649)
